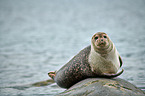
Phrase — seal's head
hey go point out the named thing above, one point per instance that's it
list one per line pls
(101, 42)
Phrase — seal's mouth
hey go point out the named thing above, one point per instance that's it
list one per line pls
(101, 44)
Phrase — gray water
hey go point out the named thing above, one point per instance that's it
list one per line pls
(38, 36)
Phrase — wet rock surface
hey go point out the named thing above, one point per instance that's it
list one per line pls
(103, 87)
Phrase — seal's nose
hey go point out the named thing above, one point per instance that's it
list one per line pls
(101, 39)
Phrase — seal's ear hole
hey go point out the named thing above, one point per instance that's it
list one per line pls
(105, 36)
(96, 37)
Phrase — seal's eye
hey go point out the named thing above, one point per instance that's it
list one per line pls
(105, 36)
(96, 37)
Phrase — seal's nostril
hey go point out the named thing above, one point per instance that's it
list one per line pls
(101, 39)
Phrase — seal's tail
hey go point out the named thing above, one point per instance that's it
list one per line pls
(112, 75)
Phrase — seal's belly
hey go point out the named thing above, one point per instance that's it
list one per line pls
(108, 69)
(104, 67)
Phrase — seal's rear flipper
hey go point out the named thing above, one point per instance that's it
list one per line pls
(52, 74)
(112, 75)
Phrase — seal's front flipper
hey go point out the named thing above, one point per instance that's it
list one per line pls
(52, 74)
(112, 75)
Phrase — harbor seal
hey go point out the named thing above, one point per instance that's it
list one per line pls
(100, 59)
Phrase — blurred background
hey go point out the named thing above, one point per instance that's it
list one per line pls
(38, 36)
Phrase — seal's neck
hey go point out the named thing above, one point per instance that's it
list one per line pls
(103, 51)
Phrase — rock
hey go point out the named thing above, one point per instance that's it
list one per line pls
(43, 83)
(103, 87)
